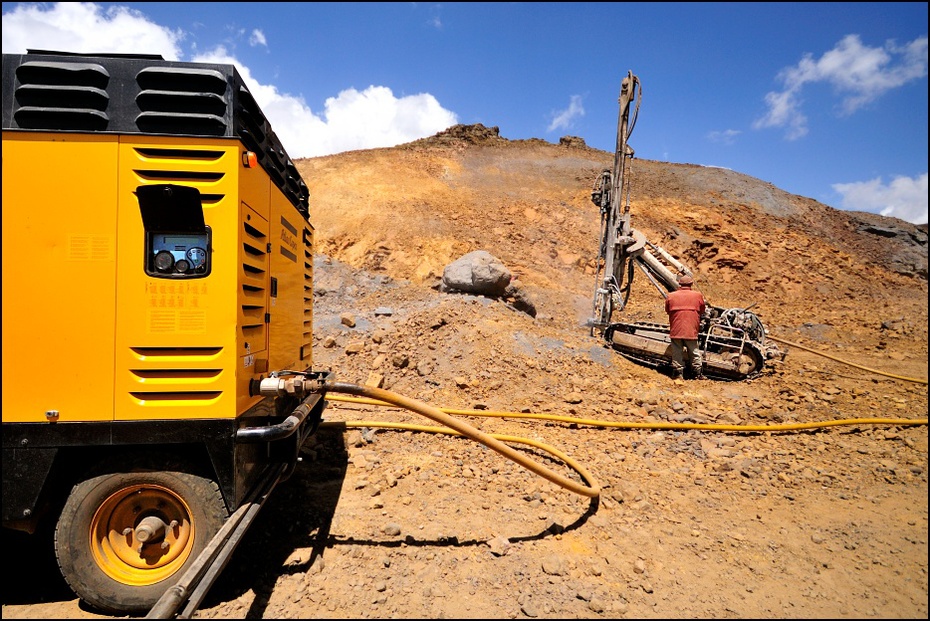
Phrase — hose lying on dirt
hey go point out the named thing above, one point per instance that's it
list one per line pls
(380, 397)
(852, 364)
(492, 441)
(904, 422)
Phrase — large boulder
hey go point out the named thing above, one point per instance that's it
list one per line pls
(477, 272)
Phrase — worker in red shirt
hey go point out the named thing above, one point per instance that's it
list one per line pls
(685, 308)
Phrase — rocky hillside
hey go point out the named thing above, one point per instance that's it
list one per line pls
(407, 212)
(799, 493)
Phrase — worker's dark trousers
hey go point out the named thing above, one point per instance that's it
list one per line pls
(679, 347)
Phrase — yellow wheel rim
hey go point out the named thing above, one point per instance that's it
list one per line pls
(113, 536)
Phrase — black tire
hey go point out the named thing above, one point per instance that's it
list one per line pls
(98, 539)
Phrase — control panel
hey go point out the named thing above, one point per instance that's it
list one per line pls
(179, 254)
(177, 241)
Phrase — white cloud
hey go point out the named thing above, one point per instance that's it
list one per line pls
(563, 119)
(727, 136)
(351, 120)
(435, 20)
(783, 112)
(904, 197)
(84, 27)
(258, 38)
(859, 74)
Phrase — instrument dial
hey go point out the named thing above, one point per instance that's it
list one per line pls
(164, 261)
(197, 257)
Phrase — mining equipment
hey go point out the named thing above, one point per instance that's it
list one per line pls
(733, 340)
(157, 268)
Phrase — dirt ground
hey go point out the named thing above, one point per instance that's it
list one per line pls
(767, 521)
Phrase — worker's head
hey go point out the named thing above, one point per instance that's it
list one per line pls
(685, 281)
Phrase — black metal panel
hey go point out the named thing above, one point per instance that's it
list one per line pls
(110, 433)
(175, 208)
(143, 94)
(39, 95)
(27, 447)
(24, 474)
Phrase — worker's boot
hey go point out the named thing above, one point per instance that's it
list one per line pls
(678, 373)
(697, 374)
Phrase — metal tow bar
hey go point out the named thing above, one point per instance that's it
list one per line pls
(182, 600)
(191, 589)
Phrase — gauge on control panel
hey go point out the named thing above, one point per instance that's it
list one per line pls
(164, 261)
(197, 257)
(183, 266)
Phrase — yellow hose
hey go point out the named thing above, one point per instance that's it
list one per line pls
(380, 397)
(463, 428)
(657, 425)
(852, 364)
(375, 424)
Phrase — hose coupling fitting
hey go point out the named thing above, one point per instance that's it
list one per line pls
(293, 386)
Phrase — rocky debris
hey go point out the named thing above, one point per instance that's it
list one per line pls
(477, 272)
(482, 273)
(476, 134)
(499, 546)
(905, 243)
(691, 522)
(574, 142)
(519, 298)
(662, 541)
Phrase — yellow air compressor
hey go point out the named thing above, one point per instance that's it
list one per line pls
(157, 265)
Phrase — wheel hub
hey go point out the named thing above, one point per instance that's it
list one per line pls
(142, 534)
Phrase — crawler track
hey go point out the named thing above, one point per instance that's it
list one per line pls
(649, 344)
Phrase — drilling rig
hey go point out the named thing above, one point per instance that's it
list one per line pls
(732, 340)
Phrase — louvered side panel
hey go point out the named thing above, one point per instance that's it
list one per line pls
(254, 282)
(307, 346)
(65, 96)
(176, 377)
(182, 100)
(203, 168)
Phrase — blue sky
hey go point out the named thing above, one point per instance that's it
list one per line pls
(824, 100)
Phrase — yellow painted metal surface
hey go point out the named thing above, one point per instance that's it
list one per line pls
(60, 246)
(139, 347)
(287, 267)
(175, 342)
